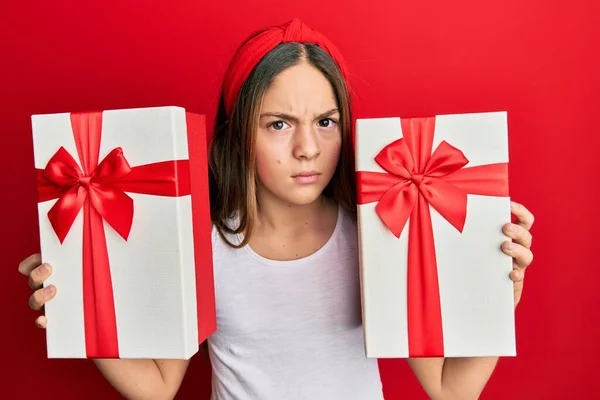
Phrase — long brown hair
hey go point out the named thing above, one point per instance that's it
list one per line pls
(232, 154)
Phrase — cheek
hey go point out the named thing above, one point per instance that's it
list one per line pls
(269, 165)
(331, 151)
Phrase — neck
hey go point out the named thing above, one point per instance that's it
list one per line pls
(277, 215)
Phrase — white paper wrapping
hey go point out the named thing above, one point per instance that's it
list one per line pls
(476, 293)
(152, 272)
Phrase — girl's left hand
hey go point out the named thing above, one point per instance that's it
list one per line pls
(520, 247)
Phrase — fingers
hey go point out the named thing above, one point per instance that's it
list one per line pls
(517, 275)
(41, 297)
(41, 322)
(519, 234)
(524, 217)
(520, 248)
(521, 255)
(39, 275)
(28, 264)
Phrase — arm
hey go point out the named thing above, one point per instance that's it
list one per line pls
(144, 379)
(453, 378)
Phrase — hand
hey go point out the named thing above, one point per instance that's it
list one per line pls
(37, 275)
(520, 247)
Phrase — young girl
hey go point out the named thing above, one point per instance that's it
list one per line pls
(285, 242)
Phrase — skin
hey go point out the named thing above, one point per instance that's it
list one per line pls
(297, 132)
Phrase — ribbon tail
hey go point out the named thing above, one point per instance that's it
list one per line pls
(396, 205)
(98, 300)
(425, 332)
(448, 200)
(65, 210)
(115, 206)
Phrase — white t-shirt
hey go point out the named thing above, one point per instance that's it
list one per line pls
(291, 330)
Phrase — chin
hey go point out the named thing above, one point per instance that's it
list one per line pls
(303, 196)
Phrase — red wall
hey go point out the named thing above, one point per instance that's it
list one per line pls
(536, 59)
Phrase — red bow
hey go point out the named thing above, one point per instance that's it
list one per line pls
(415, 179)
(109, 201)
(100, 190)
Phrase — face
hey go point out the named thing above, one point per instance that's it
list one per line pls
(298, 138)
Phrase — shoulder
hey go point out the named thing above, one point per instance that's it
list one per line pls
(222, 252)
(221, 240)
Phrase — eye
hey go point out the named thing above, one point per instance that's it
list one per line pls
(327, 122)
(277, 125)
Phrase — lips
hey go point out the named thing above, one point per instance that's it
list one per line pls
(306, 177)
(306, 174)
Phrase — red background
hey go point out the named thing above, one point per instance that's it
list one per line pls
(537, 59)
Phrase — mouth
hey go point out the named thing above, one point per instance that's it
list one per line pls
(306, 176)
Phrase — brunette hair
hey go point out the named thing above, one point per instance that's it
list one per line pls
(232, 151)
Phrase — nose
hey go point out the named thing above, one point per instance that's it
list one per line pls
(306, 142)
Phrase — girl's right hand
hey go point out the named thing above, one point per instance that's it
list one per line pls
(37, 275)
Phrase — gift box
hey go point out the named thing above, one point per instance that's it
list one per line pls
(432, 200)
(124, 221)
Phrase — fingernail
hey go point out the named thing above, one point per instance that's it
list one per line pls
(511, 228)
(42, 269)
(510, 246)
(48, 290)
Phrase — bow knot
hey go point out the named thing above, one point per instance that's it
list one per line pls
(417, 179)
(85, 181)
(297, 31)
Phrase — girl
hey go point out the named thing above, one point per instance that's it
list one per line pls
(285, 242)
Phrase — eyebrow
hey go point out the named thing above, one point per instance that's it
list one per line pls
(290, 117)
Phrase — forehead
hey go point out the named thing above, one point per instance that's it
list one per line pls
(301, 89)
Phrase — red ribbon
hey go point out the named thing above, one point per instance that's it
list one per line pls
(100, 190)
(260, 44)
(415, 179)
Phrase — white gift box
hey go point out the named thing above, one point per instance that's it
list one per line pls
(133, 271)
(455, 299)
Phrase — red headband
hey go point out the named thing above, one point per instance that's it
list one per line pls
(252, 51)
